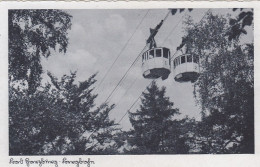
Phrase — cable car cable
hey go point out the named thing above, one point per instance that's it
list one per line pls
(174, 27)
(135, 102)
(167, 15)
(121, 51)
(127, 89)
(118, 85)
(124, 75)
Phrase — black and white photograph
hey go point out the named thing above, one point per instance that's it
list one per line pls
(131, 81)
(111, 84)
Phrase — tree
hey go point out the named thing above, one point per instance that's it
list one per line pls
(225, 87)
(34, 34)
(60, 119)
(154, 129)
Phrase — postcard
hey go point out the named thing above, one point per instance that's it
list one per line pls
(150, 83)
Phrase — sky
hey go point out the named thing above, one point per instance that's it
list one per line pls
(97, 37)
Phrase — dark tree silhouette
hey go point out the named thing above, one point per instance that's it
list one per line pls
(154, 129)
(60, 119)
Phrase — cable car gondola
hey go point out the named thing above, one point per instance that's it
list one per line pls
(156, 61)
(186, 68)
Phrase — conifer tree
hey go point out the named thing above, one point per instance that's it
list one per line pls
(153, 124)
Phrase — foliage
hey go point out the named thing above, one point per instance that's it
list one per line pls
(225, 88)
(154, 129)
(60, 119)
(32, 35)
(232, 31)
(238, 24)
(174, 11)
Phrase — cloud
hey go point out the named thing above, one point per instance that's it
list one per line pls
(77, 30)
(115, 23)
(81, 61)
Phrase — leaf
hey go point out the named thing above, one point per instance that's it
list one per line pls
(173, 11)
(232, 21)
(235, 32)
(54, 80)
(243, 31)
(247, 21)
(241, 16)
(181, 10)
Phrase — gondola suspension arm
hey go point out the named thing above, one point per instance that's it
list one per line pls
(153, 32)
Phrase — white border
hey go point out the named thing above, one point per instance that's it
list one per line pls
(133, 160)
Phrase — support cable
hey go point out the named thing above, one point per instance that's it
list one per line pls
(135, 101)
(136, 59)
(174, 28)
(124, 47)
